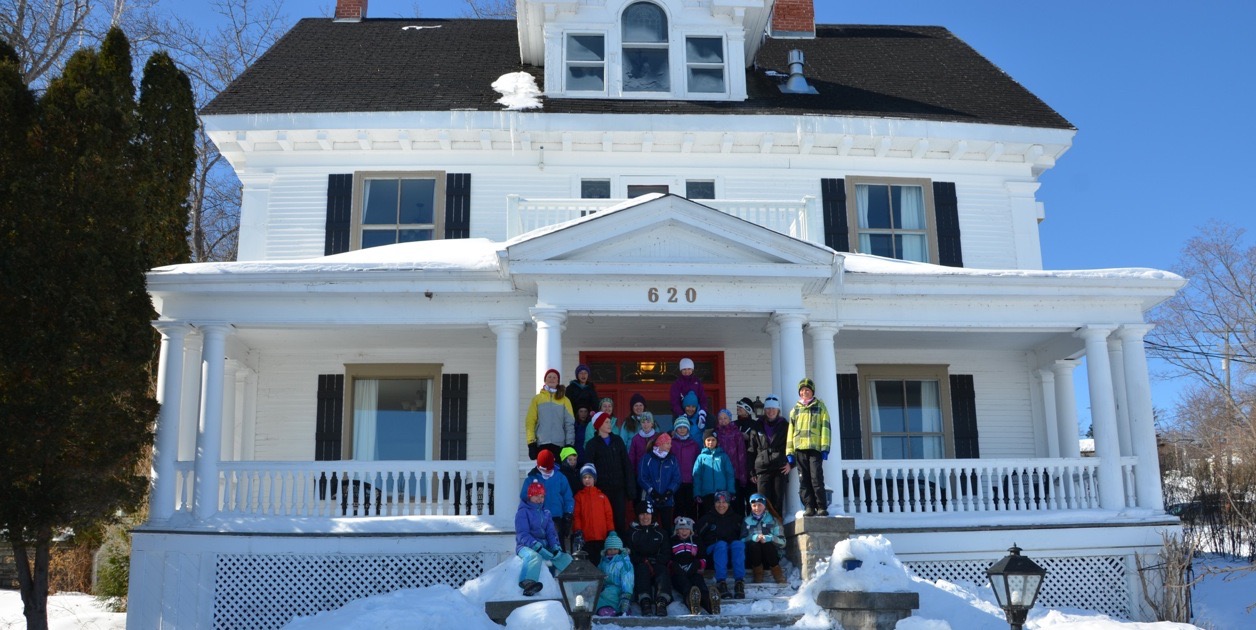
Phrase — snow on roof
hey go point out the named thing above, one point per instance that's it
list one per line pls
(869, 264)
(465, 254)
(518, 90)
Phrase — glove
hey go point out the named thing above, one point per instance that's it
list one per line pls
(536, 546)
(824, 455)
(623, 605)
(701, 418)
(545, 553)
(533, 450)
(788, 457)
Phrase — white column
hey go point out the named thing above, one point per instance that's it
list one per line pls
(506, 419)
(190, 401)
(1050, 419)
(775, 332)
(549, 343)
(793, 368)
(1118, 393)
(824, 373)
(209, 431)
(1066, 407)
(166, 444)
(229, 372)
(1142, 418)
(1103, 415)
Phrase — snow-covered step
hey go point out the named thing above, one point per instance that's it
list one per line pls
(725, 620)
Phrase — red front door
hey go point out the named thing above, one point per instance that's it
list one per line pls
(619, 375)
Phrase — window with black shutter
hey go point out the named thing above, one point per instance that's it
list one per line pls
(964, 416)
(946, 212)
(458, 205)
(833, 205)
(453, 416)
(339, 214)
(329, 417)
(848, 416)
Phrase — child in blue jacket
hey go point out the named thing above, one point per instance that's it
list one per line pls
(712, 472)
(617, 592)
(536, 540)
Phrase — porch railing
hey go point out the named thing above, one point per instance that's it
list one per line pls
(975, 485)
(787, 216)
(353, 488)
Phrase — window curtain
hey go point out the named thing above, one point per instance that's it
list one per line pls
(365, 412)
(875, 407)
(861, 206)
(911, 213)
(931, 419)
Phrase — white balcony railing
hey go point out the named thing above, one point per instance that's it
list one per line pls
(793, 217)
(975, 485)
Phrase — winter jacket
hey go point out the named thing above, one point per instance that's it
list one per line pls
(683, 385)
(715, 527)
(583, 396)
(638, 447)
(686, 453)
(573, 478)
(768, 453)
(808, 428)
(767, 526)
(549, 420)
(712, 472)
(649, 544)
(534, 527)
(658, 478)
(619, 576)
(613, 470)
(734, 445)
(593, 517)
(580, 429)
(685, 556)
(558, 499)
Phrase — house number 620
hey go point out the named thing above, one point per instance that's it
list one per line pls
(672, 294)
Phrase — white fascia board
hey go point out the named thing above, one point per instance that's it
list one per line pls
(948, 313)
(539, 270)
(345, 310)
(1149, 290)
(311, 282)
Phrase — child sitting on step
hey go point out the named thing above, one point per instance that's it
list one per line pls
(617, 592)
(764, 540)
(536, 539)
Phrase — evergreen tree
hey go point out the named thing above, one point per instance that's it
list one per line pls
(76, 407)
(167, 128)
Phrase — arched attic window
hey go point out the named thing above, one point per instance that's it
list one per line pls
(645, 66)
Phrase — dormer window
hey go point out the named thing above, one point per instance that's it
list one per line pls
(646, 67)
(704, 64)
(586, 63)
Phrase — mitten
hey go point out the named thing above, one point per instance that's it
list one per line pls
(824, 455)
(536, 546)
(788, 457)
(533, 450)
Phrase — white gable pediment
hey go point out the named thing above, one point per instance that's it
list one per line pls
(666, 234)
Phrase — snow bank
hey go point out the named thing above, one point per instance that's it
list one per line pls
(518, 90)
(501, 583)
(867, 263)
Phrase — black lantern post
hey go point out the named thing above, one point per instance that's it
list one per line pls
(1016, 581)
(581, 583)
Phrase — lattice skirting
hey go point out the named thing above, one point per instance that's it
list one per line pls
(1088, 582)
(260, 592)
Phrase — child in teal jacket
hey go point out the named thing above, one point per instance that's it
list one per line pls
(617, 592)
(712, 472)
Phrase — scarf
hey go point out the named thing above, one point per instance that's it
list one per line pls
(645, 435)
(661, 454)
(552, 390)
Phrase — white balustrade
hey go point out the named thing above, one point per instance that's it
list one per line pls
(787, 216)
(353, 488)
(184, 477)
(972, 485)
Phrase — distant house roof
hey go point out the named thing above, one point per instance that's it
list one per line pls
(376, 65)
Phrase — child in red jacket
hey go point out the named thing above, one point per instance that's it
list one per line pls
(593, 518)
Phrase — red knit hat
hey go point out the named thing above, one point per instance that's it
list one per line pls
(547, 373)
(545, 459)
(536, 489)
(600, 419)
(663, 441)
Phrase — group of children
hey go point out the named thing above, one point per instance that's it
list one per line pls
(728, 481)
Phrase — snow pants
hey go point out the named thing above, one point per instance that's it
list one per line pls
(721, 552)
(651, 579)
(534, 560)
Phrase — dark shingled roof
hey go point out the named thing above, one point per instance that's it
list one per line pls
(912, 72)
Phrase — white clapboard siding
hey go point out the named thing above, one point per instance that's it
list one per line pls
(297, 216)
(986, 230)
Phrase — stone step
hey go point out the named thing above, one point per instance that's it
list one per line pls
(725, 620)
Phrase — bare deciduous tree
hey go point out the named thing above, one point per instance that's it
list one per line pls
(45, 32)
(491, 9)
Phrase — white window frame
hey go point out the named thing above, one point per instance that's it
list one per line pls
(722, 66)
(389, 371)
(930, 210)
(605, 63)
(878, 372)
(359, 196)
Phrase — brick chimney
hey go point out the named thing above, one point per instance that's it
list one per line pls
(350, 10)
(794, 19)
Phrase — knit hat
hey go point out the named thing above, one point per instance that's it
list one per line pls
(547, 373)
(682, 422)
(566, 452)
(683, 522)
(604, 401)
(745, 405)
(545, 459)
(644, 507)
(636, 398)
(612, 542)
(772, 402)
(686, 363)
(808, 383)
(582, 368)
(723, 495)
(645, 417)
(663, 441)
(536, 489)
(690, 400)
(588, 469)
(758, 498)
(600, 418)
(709, 433)
(725, 412)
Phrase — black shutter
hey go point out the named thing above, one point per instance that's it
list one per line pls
(458, 205)
(453, 416)
(330, 417)
(339, 214)
(964, 416)
(848, 416)
(946, 213)
(833, 204)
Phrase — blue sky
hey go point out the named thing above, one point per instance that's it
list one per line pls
(1161, 93)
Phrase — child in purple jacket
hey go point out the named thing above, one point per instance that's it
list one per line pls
(685, 448)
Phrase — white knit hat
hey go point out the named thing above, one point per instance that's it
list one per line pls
(686, 363)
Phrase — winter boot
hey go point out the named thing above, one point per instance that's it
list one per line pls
(821, 511)
(530, 587)
(722, 587)
(660, 606)
(647, 606)
(695, 600)
(739, 590)
(779, 574)
(715, 600)
(810, 511)
(758, 574)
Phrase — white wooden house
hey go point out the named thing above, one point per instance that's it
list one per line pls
(342, 415)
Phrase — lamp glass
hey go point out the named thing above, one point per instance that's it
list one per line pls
(581, 595)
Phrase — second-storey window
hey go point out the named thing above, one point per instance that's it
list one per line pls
(907, 411)
(645, 43)
(704, 64)
(586, 63)
(397, 208)
(894, 219)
